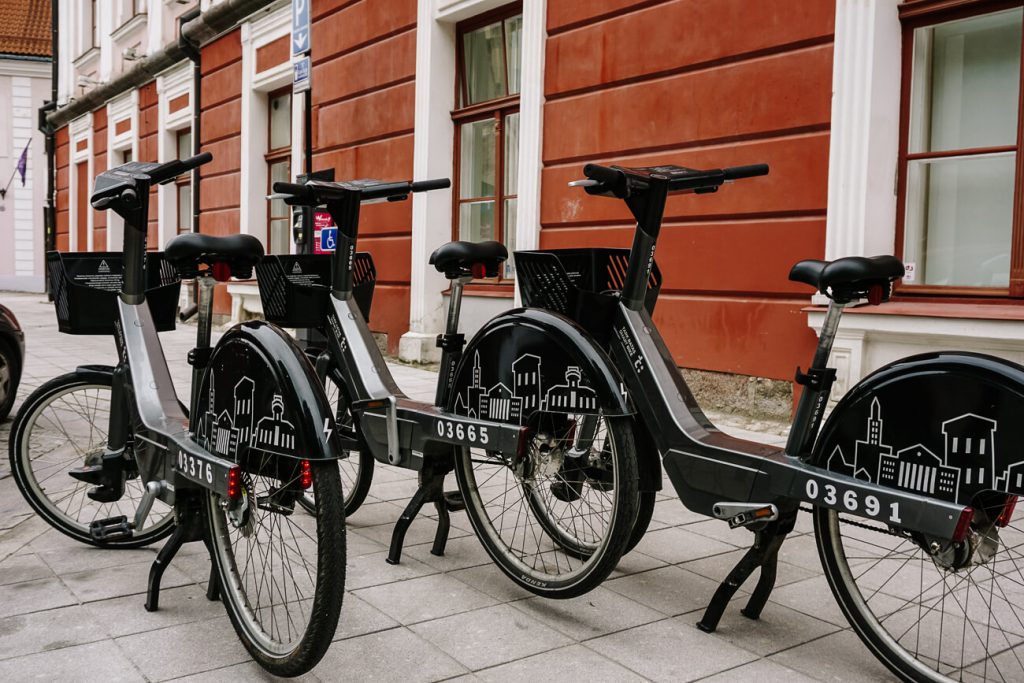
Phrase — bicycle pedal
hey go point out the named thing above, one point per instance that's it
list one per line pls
(453, 501)
(110, 529)
(745, 514)
(90, 474)
(105, 494)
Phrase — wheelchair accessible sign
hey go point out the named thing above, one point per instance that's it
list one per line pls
(325, 234)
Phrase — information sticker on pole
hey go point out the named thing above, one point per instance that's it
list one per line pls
(301, 75)
(325, 233)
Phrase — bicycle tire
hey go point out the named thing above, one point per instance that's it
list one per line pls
(32, 411)
(877, 594)
(531, 571)
(355, 471)
(298, 657)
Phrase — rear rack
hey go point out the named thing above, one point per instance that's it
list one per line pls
(295, 288)
(581, 284)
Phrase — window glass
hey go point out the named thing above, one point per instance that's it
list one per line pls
(281, 121)
(280, 216)
(184, 145)
(510, 235)
(477, 163)
(513, 43)
(959, 220)
(126, 156)
(476, 221)
(512, 153)
(184, 208)
(484, 64)
(966, 83)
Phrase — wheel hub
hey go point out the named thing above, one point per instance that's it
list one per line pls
(975, 550)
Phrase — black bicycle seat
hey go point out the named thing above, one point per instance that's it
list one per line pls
(240, 252)
(457, 259)
(849, 278)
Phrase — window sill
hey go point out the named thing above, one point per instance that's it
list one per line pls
(1011, 310)
(86, 57)
(496, 290)
(129, 26)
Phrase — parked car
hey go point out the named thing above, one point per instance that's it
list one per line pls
(12, 357)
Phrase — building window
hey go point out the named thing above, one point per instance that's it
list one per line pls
(94, 20)
(487, 128)
(183, 183)
(278, 157)
(960, 145)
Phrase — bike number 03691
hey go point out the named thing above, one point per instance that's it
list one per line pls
(195, 468)
(848, 499)
(462, 432)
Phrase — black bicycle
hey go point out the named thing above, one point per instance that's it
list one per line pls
(108, 456)
(912, 482)
(506, 438)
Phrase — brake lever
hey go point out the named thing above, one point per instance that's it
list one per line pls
(586, 182)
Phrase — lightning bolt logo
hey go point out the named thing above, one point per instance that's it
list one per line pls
(328, 429)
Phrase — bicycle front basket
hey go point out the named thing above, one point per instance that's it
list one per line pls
(295, 288)
(85, 287)
(581, 284)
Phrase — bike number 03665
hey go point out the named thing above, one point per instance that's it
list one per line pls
(462, 432)
(194, 467)
(832, 496)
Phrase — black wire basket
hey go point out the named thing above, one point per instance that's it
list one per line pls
(85, 287)
(295, 288)
(581, 284)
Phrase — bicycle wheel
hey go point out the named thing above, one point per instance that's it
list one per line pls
(956, 615)
(356, 470)
(63, 425)
(282, 575)
(644, 513)
(550, 533)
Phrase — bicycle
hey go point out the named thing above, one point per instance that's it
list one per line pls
(906, 537)
(505, 451)
(261, 434)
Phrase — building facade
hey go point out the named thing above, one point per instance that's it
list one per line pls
(25, 69)
(511, 100)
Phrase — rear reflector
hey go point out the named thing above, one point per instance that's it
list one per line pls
(963, 525)
(479, 270)
(235, 483)
(306, 478)
(1007, 514)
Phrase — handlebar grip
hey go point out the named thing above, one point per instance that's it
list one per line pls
(737, 172)
(427, 185)
(197, 160)
(603, 174)
(294, 189)
(188, 312)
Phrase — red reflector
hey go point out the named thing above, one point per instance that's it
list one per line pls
(306, 478)
(524, 443)
(876, 294)
(235, 483)
(1004, 517)
(221, 272)
(963, 525)
(479, 270)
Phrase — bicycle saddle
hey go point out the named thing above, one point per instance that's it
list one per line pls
(459, 259)
(239, 252)
(849, 278)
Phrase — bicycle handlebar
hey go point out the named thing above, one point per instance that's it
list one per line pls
(622, 182)
(174, 168)
(751, 171)
(320, 191)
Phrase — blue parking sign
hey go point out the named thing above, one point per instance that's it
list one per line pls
(328, 239)
(300, 27)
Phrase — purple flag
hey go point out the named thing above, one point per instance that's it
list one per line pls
(23, 162)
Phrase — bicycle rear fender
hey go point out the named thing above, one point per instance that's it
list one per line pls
(531, 359)
(946, 425)
(260, 393)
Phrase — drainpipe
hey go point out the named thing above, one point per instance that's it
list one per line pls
(44, 126)
(192, 51)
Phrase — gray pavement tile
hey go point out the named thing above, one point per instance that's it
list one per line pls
(676, 544)
(490, 636)
(373, 514)
(812, 597)
(670, 650)
(54, 629)
(717, 567)
(672, 512)
(779, 628)
(837, 657)
(102, 662)
(597, 613)
(489, 579)
(397, 654)
(23, 568)
(635, 562)
(358, 618)
(249, 671)
(76, 557)
(399, 491)
(424, 598)
(669, 590)
(801, 550)
(127, 615)
(459, 553)
(34, 596)
(762, 671)
(719, 530)
(112, 582)
(573, 663)
(184, 649)
(371, 570)
(421, 530)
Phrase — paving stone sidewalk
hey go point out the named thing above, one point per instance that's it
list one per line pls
(74, 613)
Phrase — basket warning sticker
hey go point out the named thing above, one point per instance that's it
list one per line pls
(102, 279)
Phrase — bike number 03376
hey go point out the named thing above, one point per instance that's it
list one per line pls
(848, 499)
(195, 468)
(462, 432)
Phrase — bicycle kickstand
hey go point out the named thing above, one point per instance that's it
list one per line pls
(187, 529)
(431, 490)
(764, 554)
